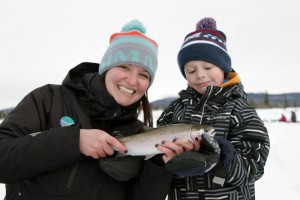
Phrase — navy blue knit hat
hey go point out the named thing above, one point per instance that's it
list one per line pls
(206, 44)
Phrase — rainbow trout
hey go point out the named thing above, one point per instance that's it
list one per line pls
(143, 144)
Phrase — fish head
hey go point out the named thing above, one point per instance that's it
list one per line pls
(197, 130)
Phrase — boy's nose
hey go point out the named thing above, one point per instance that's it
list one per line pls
(200, 73)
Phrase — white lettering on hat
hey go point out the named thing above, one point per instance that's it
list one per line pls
(207, 35)
(213, 37)
(133, 56)
(148, 62)
(193, 36)
(120, 56)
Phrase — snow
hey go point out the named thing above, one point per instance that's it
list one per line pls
(281, 178)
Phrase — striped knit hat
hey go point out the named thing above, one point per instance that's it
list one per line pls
(131, 46)
(206, 44)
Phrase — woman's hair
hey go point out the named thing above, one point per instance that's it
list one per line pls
(147, 110)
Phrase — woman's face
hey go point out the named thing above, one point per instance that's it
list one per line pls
(201, 74)
(127, 83)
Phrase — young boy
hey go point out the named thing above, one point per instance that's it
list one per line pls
(215, 97)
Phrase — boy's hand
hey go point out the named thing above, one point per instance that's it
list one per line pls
(190, 163)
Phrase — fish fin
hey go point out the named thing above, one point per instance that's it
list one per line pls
(147, 157)
(120, 154)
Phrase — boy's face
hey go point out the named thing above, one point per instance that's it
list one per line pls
(201, 74)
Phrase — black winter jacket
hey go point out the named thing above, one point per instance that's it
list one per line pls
(39, 144)
(227, 110)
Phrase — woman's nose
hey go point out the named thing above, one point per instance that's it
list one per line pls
(132, 79)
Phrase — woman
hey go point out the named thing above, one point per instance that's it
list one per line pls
(52, 143)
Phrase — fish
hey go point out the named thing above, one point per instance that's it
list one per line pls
(144, 143)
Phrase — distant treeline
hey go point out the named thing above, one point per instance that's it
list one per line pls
(265, 100)
(4, 112)
(258, 100)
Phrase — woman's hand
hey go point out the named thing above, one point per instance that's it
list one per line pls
(171, 149)
(97, 143)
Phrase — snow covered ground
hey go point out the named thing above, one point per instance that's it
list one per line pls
(282, 174)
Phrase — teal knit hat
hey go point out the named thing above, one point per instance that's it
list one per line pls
(131, 46)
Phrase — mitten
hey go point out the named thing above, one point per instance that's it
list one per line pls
(193, 163)
(122, 168)
(227, 153)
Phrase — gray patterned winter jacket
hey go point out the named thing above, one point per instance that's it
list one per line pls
(227, 110)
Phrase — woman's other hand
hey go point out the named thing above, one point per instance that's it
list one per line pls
(178, 146)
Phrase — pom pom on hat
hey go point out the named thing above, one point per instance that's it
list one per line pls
(206, 44)
(131, 46)
(134, 25)
(206, 23)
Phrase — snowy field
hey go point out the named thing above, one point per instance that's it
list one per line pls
(282, 174)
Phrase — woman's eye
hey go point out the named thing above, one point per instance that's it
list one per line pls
(145, 76)
(123, 67)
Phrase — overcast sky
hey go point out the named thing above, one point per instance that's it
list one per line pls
(41, 40)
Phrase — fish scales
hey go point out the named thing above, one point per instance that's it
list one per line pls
(143, 144)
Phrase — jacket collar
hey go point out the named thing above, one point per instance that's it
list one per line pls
(231, 88)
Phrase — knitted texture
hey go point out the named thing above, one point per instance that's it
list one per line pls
(206, 44)
(131, 46)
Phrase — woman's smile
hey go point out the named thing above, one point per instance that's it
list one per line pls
(126, 90)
